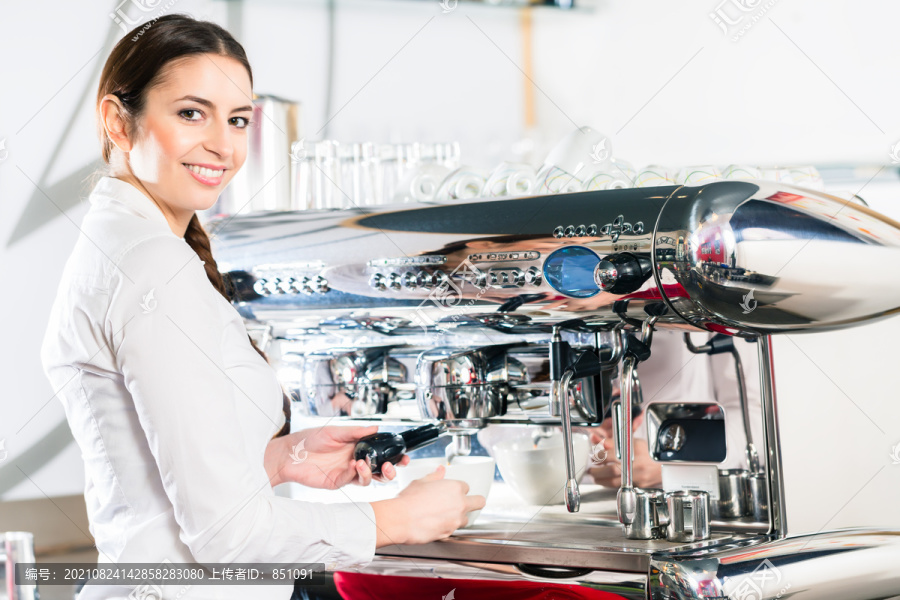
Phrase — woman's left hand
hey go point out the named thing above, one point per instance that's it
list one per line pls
(323, 458)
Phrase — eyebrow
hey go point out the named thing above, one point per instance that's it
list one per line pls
(209, 104)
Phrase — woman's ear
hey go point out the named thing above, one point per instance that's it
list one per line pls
(112, 115)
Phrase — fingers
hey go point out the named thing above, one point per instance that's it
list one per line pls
(435, 475)
(475, 502)
(405, 460)
(363, 472)
(388, 471)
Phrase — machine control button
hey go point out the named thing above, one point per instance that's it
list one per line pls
(394, 281)
(427, 280)
(320, 284)
(260, 286)
(306, 287)
(410, 281)
(559, 232)
(274, 286)
(532, 276)
(286, 286)
(378, 281)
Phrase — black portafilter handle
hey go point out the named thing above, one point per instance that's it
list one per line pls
(379, 448)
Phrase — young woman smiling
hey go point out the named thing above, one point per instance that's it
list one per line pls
(182, 424)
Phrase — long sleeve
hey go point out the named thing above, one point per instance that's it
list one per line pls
(166, 324)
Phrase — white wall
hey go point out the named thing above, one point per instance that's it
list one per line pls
(659, 77)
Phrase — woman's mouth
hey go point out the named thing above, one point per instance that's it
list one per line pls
(206, 175)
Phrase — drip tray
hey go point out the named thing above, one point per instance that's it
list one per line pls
(509, 531)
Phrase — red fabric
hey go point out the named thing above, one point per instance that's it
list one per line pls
(366, 586)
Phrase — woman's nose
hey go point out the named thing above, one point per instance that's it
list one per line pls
(219, 140)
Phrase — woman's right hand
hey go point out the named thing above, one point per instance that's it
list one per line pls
(428, 509)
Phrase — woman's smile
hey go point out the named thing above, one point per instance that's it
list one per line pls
(210, 175)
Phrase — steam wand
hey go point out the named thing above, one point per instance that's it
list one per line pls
(636, 351)
(566, 364)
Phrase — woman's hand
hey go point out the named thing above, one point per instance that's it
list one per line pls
(428, 509)
(646, 472)
(323, 458)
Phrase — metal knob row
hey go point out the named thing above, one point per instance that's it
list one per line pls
(291, 285)
(408, 280)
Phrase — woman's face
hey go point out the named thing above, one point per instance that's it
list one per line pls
(191, 138)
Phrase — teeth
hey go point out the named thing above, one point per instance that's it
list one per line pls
(204, 172)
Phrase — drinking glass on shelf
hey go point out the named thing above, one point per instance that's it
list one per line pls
(356, 180)
(327, 174)
(302, 169)
(447, 154)
(385, 176)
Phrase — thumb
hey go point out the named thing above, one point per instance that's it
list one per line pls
(435, 475)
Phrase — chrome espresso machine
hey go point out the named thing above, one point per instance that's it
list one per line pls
(538, 311)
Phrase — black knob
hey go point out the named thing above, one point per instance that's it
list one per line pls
(622, 273)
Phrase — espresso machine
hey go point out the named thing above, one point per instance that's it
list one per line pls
(538, 311)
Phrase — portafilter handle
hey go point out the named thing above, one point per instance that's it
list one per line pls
(379, 448)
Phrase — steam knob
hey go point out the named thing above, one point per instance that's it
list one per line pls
(622, 273)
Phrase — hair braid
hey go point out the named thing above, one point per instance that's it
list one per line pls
(197, 238)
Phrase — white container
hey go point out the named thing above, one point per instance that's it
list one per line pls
(538, 475)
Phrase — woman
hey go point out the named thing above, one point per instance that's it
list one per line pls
(181, 421)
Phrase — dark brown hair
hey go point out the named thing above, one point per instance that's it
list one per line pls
(135, 65)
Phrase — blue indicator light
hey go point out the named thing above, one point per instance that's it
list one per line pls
(570, 271)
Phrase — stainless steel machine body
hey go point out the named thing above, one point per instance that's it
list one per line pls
(538, 311)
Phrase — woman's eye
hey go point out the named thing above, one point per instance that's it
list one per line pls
(240, 122)
(190, 114)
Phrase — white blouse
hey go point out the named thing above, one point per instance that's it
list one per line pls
(172, 409)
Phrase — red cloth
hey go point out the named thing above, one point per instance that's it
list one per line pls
(366, 586)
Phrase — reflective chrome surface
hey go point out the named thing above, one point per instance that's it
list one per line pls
(739, 257)
(422, 312)
(628, 586)
(844, 565)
